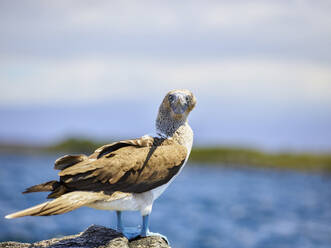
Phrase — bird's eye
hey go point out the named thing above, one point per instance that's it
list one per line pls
(188, 99)
(171, 98)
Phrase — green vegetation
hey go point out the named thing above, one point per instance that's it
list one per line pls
(213, 155)
(250, 157)
(75, 145)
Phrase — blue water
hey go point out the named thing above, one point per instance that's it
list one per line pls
(204, 207)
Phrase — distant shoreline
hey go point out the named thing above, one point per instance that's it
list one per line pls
(218, 155)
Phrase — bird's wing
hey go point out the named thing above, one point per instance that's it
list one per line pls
(132, 166)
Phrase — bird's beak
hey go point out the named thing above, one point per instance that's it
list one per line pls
(180, 105)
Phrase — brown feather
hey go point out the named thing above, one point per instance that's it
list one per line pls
(66, 203)
(68, 160)
(130, 166)
(43, 187)
(138, 166)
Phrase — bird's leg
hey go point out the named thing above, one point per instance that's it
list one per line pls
(145, 229)
(128, 232)
(119, 221)
(134, 232)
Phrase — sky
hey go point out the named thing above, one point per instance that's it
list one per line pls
(261, 70)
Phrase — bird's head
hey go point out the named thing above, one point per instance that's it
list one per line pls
(179, 103)
(174, 109)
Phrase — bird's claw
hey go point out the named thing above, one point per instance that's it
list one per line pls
(148, 233)
(132, 233)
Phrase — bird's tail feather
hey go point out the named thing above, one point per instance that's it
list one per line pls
(61, 205)
(43, 187)
(66, 203)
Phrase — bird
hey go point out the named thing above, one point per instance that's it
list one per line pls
(128, 175)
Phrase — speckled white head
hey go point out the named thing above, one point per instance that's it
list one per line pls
(174, 109)
(179, 103)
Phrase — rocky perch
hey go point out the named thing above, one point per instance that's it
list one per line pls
(94, 237)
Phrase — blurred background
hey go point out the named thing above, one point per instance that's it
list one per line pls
(78, 74)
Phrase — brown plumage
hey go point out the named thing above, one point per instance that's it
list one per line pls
(129, 166)
(132, 166)
(65, 203)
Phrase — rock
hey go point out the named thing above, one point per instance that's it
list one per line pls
(94, 237)
(14, 244)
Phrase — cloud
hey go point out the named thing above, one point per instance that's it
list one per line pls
(78, 51)
(296, 29)
(94, 80)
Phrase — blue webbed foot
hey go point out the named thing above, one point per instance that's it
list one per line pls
(145, 230)
(131, 232)
(135, 232)
(148, 233)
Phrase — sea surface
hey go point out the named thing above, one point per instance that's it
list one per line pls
(206, 206)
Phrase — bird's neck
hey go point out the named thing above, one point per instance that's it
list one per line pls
(176, 128)
(166, 125)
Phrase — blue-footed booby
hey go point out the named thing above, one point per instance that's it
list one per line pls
(127, 175)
